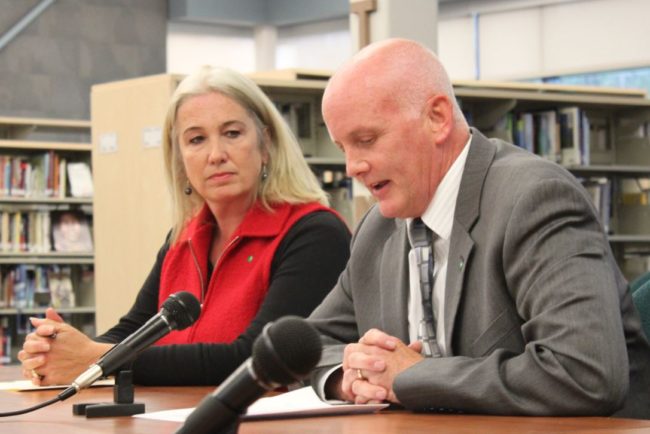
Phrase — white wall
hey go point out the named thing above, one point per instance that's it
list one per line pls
(522, 41)
(510, 43)
(456, 47)
(321, 45)
(191, 45)
(602, 34)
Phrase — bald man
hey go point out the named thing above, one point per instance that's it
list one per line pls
(528, 314)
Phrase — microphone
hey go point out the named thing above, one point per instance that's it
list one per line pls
(178, 312)
(286, 351)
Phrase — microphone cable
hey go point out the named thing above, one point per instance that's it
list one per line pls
(60, 397)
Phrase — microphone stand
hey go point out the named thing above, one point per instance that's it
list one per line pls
(122, 404)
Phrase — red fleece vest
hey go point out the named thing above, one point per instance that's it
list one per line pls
(240, 278)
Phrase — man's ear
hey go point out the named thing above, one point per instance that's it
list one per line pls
(440, 115)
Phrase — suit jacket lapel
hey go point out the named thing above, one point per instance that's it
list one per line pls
(480, 156)
(394, 282)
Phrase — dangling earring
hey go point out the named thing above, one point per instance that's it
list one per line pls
(188, 189)
(265, 174)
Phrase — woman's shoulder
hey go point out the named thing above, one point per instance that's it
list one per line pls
(319, 226)
(318, 231)
(314, 215)
(323, 217)
(310, 214)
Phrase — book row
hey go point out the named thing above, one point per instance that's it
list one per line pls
(37, 175)
(564, 135)
(44, 231)
(43, 175)
(34, 286)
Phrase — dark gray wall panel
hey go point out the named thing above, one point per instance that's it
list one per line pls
(257, 12)
(47, 70)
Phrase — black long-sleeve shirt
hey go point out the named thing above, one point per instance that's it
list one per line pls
(305, 267)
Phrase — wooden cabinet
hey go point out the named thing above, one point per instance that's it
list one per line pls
(132, 205)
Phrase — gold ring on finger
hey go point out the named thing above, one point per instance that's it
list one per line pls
(36, 374)
(360, 375)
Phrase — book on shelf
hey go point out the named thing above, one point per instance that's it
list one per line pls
(71, 232)
(18, 176)
(60, 286)
(524, 131)
(25, 231)
(7, 282)
(5, 238)
(570, 136)
(600, 191)
(5, 340)
(62, 186)
(23, 288)
(36, 175)
(80, 178)
(4, 171)
(547, 135)
(585, 140)
(18, 236)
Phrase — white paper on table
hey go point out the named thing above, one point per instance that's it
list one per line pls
(300, 402)
(26, 385)
(304, 402)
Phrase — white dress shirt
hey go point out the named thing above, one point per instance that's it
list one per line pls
(439, 217)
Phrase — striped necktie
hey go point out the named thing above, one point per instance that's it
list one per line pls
(423, 248)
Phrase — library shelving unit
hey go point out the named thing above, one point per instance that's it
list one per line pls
(127, 119)
(38, 270)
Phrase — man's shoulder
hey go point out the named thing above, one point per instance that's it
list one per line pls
(510, 160)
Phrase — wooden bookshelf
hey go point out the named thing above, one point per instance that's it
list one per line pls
(25, 140)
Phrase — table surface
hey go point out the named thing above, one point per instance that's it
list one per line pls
(58, 417)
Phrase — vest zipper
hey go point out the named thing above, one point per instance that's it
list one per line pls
(198, 270)
(225, 250)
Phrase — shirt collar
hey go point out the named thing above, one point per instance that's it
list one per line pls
(258, 221)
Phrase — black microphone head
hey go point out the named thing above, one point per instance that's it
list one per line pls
(182, 310)
(286, 351)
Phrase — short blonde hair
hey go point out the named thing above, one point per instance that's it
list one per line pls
(290, 180)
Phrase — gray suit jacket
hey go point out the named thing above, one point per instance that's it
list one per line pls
(538, 317)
